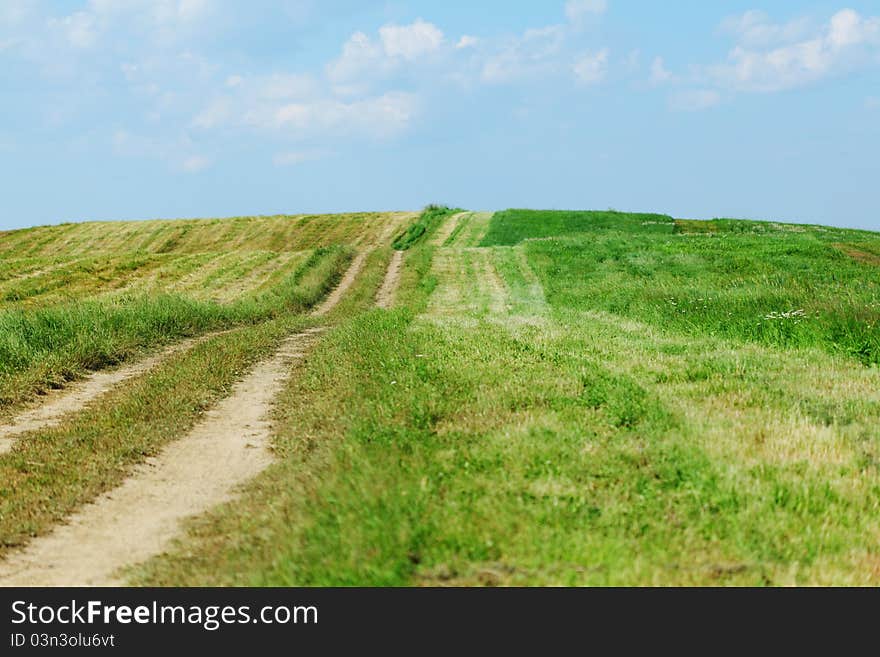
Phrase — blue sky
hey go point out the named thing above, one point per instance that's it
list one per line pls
(129, 109)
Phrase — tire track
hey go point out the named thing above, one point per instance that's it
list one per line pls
(77, 395)
(140, 517)
(347, 281)
(387, 293)
(447, 228)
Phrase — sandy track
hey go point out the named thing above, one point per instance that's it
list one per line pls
(347, 280)
(386, 294)
(446, 228)
(392, 227)
(494, 287)
(475, 230)
(138, 519)
(78, 394)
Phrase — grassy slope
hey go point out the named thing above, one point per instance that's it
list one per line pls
(46, 346)
(49, 473)
(482, 433)
(738, 281)
(276, 234)
(77, 297)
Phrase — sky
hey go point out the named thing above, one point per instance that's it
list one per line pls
(135, 109)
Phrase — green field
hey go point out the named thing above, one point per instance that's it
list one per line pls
(555, 398)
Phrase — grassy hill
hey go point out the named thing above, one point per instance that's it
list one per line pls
(555, 398)
(77, 297)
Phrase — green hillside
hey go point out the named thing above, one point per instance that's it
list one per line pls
(554, 397)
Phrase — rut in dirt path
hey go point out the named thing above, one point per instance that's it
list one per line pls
(75, 396)
(386, 294)
(139, 518)
(347, 280)
(447, 228)
(51, 410)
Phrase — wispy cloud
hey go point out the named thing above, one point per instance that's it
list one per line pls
(579, 10)
(293, 158)
(756, 29)
(591, 67)
(536, 52)
(375, 88)
(770, 57)
(659, 74)
(467, 41)
(195, 164)
(178, 153)
(364, 58)
(694, 101)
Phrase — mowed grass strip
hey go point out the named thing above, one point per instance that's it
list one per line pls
(50, 473)
(413, 453)
(425, 224)
(587, 448)
(772, 284)
(188, 236)
(45, 347)
(513, 226)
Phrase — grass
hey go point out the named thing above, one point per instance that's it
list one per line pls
(427, 222)
(761, 283)
(45, 347)
(513, 226)
(542, 434)
(278, 233)
(556, 398)
(51, 472)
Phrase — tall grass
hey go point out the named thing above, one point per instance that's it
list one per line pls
(275, 233)
(584, 448)
(44, 347)
(767, 283)
(427, 221)
(513, 226)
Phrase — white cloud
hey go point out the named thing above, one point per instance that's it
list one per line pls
(467, 41)
(534, 53)
(846, 41)
(80, 30)
(293, 158)
(659, 74)
(363, 58)
(217, 113)
(633, 60)
(578, 10)
(195, 163)
(177, 153)
(694, 101)
(755, 28)
(359, 55)
(159, 20)
(13, 12)
(848, 28)
(591, 68)
(410, 41)
(281, 86)
(156, 13)
(379, 117)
